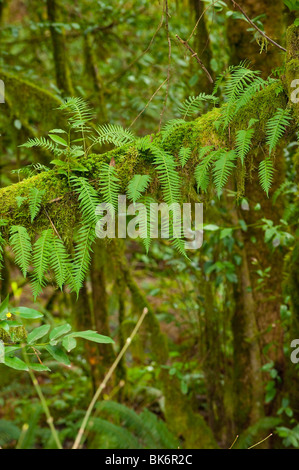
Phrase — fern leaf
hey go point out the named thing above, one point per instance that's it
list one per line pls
(193, 104)
(41, 255)
(137, 186)
(35, 201)
(223, 167)
(266, 172)
(109, 184)
(243, 142)
(113, 134)
(59, 260)
(43, 143)
(202, 169)
(80, 113)
(86, 237)
(21, 245)
(275, 127)
(170, 127)
(184, 155)
(88, 198)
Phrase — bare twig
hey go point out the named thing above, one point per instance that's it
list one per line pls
(256, 27)
(194, 54)
(152, 97)
(106, 379)
(260, 442)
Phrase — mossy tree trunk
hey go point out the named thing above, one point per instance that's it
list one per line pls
(256, 324)
(63, 76)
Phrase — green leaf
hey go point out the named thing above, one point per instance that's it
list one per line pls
(15, 363)
(26, 313)
(69, 343)
(37, 333)
(58, 354)
(59, 331)
(211, 228)
(58, 140)
(39, 367)
(4, 306)
(90, 335)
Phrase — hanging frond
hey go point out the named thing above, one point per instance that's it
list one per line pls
(223, 167)
(85, 239)
(113, 134)
(202, 169)
(243, 142)
(88, 198)
(43, 143)
(184, 155)
(21, 245)
(168, 176)
(193, 104)
(41, 255)
(276, 126)
(109, 184)
(59, 260)
(35, 201)
(266, 172)
(137, 186)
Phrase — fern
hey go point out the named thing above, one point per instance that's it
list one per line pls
(8, 432)
(243, 142)
(35, 200)
(2, 244)
(223, 167)
(202, 170)
(109, 184)
(88, 198)
(266, 172)
(275, 127)
(86, 237)
(137, 186)
(21, 245)
(58, 260)
(43, 143)
(193, 104)
(113, 134)
(184, 155)
(80, 113)
(170, 127)
(41, 259)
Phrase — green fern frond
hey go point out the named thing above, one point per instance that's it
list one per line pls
(223, 167)
(193, 104)
(168, 176)
(170, 127)
(109, 184)
(59, 259)
(80, 113)
(35, 201)
(41, 255)
(184, 155)
(85, 239)
(243, 142)
(43, 143)
(202, 169)
(88, 198)
(113, 134)
(113, 436)
(266, 172)
(137, 186)
(2, 244)
(8, 432)
(275, 127)
(21, 245)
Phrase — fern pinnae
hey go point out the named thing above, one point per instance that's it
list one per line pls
(184, 155)
(113, 134)
(21, 245)
(275, 127)
(266, 172)
(86, 237)
(243, 142)
(59, 259)
(41, 255)
(223, 167)
(35, 201)
(87, 196)
(109, 184)
(137, 186)
(193, 104)
(202, 169)
(170, 127)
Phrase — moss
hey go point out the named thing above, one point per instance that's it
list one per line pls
(15, 334)
(292, 64)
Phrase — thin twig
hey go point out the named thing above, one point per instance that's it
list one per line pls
(169, 61)
(237, 437)
(54, 228)
(152, 97)
(194, 54)
(260, 442)
(256, 27)
(106, 379)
